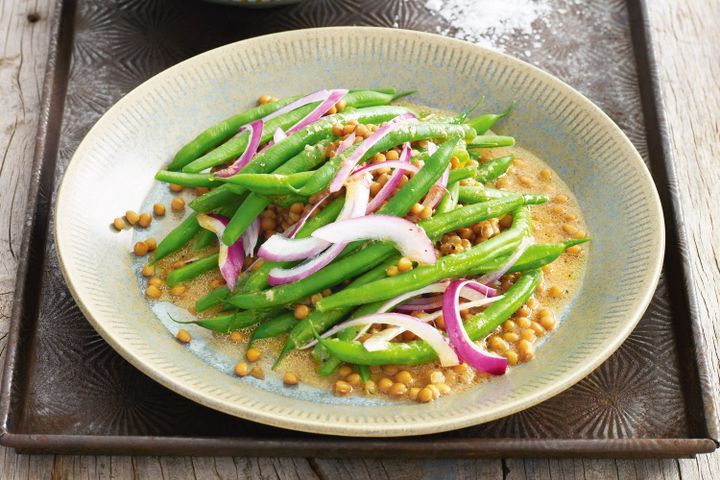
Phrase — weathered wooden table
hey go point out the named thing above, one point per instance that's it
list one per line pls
(688, 44)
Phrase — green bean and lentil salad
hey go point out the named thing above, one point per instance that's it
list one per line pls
(356, 216)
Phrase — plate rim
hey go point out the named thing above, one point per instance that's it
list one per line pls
(358, 429)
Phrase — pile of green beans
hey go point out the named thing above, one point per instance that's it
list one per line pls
(300, 166)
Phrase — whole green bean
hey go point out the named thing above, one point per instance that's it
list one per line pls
(450, 266)
(270, 183)
(478, 193)
(406, 133)
(494, 168)
(419, 352)
(218, 133)
(534, 257)
(491, 141)
(483, 123)
(187, 179)
(177, 238)
(192, 270)
(278, 154)
(274, 327)
(235, 321)
(236, 145)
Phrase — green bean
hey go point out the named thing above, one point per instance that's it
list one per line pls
(419, 352)
(203, 240)
(373, 254)
(278, 154)
(491, 141)
(302, 333)
(463, 173)
(478, 193)
(236, 320)
(215, 198)
(216, 297)
(364, 372)
(236, 145)
(483, 123)
(218, 133)
(535, 256)
(450, 199)
(450, 266)
(177, 238)
(274, 327)
(270, 183)
(494, 168)
(187, 179)
(192, 270)
(406, 133)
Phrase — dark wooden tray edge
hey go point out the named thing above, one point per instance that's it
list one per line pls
(39, 193)
(54, 88)
(677, 269)
(333, 447)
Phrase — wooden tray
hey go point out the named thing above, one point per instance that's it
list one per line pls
(66, 390)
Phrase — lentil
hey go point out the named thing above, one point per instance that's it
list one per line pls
(119, 224)
(183, 336)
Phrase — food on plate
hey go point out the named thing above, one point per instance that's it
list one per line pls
(381, 248)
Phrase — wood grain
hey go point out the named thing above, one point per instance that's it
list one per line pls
(688, 42)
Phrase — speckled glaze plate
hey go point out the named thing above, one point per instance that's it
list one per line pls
(112, 171)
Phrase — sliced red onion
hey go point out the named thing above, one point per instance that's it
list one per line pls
(333, 97)
(255, 129)
(431, 148)
(296, 228)
(231, 258)
(357, 195)
(278, 135)
(318, 96)
(389, 188)
(463, 306)
(349, 163)
(280, 248)
(327, 100)
(420, 305)
(466, 349)
(398, 165)
(250, 237)
(431, 335)
(490, 277)
(410, 240)
(437, 191)
(281, 276)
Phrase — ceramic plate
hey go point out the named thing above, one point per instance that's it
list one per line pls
(113, 168)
